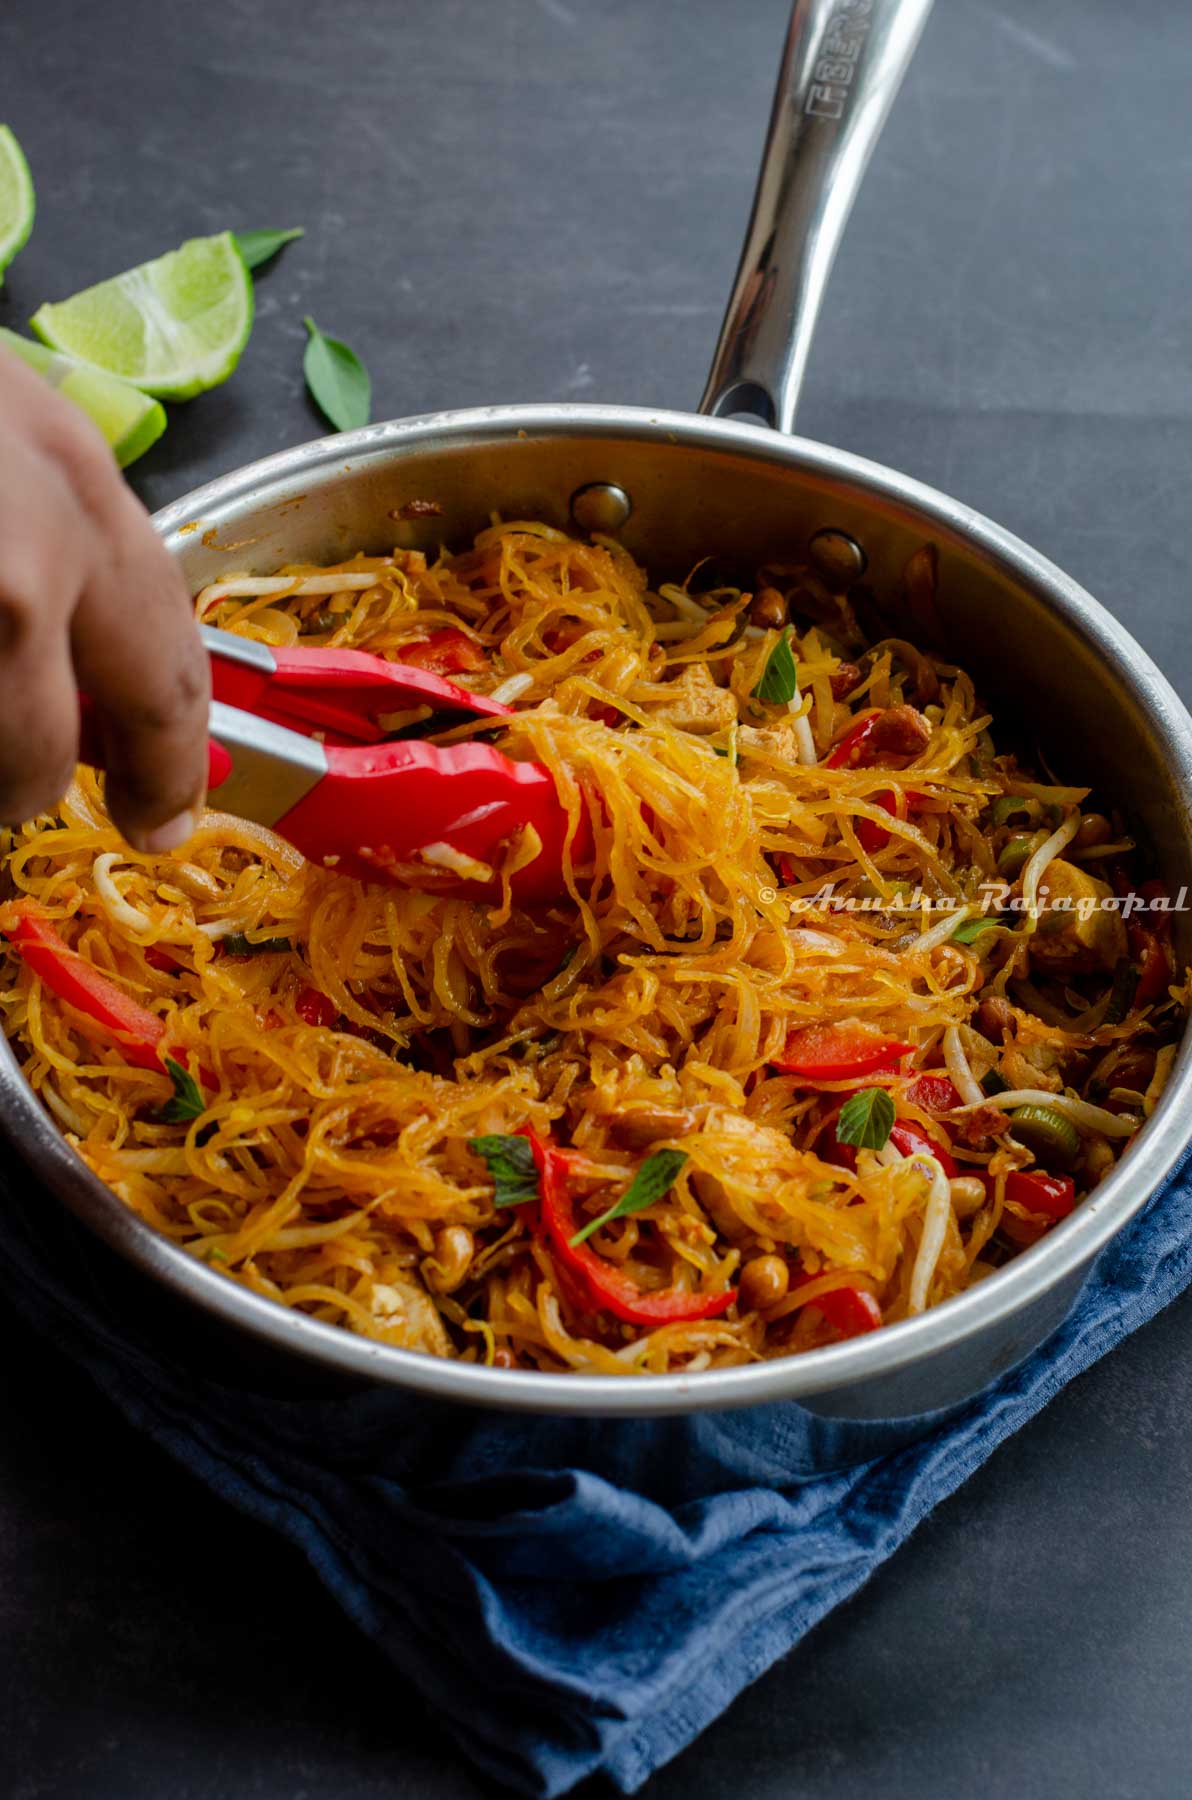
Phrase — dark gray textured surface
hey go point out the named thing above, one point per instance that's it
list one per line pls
(543, 201)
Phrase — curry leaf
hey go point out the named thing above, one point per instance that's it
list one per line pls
(256, 247)
(656, 1175)
(866, 1119)
(511, 1164)
(780, 678)
(188, 1102)
(338, 381)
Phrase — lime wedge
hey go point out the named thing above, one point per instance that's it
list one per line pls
(129, 420)
(16, 199)
(173, 327)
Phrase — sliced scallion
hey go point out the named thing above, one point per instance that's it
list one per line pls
(1053, 1139)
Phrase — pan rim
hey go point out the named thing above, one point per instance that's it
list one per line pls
(994, 1302)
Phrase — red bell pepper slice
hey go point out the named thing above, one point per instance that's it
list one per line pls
(314, 1008)
(1160, 918)
(1117, 874)
(910, 1138)
(1154, 970)
(73, 979)
(934, 1093)
(870, 835)
(604, 1287)
(907, 1138)
(850, 1308)
(1054, 1195)
(446, 652)
(850, 751)
(838, 1052)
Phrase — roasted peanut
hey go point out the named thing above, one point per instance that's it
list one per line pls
(764, 1282)
(454, 1247)
(644, 1125)
(1094, 829)
(768, 609)
(968, 1195)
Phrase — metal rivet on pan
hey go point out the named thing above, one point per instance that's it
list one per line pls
(600, 506)
(837, 557)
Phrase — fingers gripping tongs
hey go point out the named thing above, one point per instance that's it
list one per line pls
(296, 745)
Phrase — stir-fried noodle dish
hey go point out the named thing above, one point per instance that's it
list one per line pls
(840, 1005)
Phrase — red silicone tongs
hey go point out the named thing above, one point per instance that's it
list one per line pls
(400, 811)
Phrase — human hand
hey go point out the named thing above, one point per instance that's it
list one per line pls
(90, 600)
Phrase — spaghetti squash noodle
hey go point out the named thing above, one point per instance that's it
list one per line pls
(839, 1009)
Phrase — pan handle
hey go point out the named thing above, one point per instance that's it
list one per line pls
(842, 66)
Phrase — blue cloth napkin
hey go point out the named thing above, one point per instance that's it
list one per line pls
(570, 1595)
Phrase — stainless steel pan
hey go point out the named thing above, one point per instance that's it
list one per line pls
(674, 486)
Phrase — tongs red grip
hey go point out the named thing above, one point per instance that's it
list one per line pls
(409, 812)
(342, 693)
(297, 744)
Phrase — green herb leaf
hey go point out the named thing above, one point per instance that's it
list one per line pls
(971, 929)
(338, 380)
(866, 1119)
(992, 1082)
(256, 247)
(511, 1164)
(236, 944)
(658, 1173)
(188, 1102)
(780, 679)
